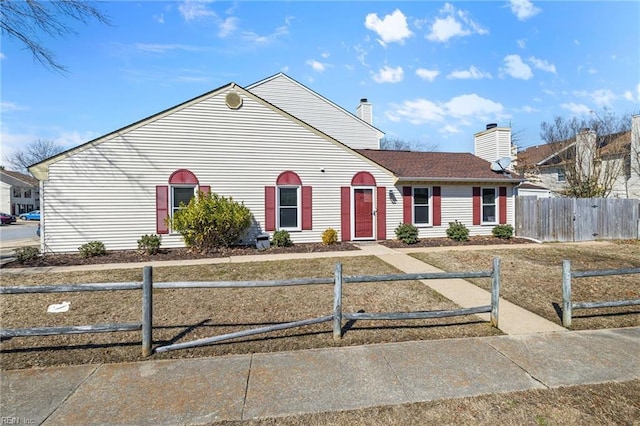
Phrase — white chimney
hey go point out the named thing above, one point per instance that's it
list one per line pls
(635, 141)
(586, 146)
(493, 143)
(365, 111)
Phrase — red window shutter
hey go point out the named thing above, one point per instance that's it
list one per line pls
(407, 202)
(502, 204)
(307, 209)
(437, 206)
(381, 201)
(345, 213)
(477, 206)
(205, 188)
(269, 208)
(162, 209)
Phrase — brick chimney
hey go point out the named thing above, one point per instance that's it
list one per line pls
(365, 111)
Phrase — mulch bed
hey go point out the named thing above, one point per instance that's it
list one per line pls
(448, 242)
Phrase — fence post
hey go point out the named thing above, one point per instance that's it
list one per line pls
(337, 302)
(147, 310)
(495, 291)
(566, 293)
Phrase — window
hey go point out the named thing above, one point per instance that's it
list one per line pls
(421, 206)
(561, 175)
(17, 192)
(27, 193)
(181, 195)
(489, 205)
(289, 207)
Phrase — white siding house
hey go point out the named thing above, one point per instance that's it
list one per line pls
(19, 193)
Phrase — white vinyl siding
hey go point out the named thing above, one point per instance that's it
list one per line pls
(493, 144)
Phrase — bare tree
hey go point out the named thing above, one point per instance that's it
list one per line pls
(394, 144)
(33, 153)
(24, 20)
(589, 152)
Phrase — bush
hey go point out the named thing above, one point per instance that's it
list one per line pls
(92, 248)
(26, 254)
(458, 231)
(281, 239)
(503, 231)
(150, 244)
(329, 236)
(211, 221)
(407, 233)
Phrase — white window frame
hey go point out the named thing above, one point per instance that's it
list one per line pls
(298, 207)
(173, 208)
(495, 204)
(562, 175)
(429, 205)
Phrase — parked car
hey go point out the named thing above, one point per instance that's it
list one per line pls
(34, 215)
(7, 219)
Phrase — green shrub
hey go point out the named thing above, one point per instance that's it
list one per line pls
(329, 236)
(211, 221)
(149, 244)
(281, 239)
(503, 231)
(407, 233)
(457, 231)
(26, 254)
(92, 248)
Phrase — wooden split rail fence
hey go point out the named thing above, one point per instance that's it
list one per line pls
(336, 317)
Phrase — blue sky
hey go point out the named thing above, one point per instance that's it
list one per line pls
(435, 72)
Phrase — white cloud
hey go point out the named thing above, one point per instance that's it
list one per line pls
(391, 29)
(316, 65)
(159, 18)
(472, 73)
(195, 9)
(515, 68)
(426, 74)
(269, 38)
(453, 23)
(389, 75)
(10, 106)
(628, 95)
(522, 43)
(325, 55)
(577, 109)
(524, 9)
(2, 56)
(543, 65)
(473, 106)
(449, 129)
(163, 48)
(602, 97)
(228, 26)
(418, 111)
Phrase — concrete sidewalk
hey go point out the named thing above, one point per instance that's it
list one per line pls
(196, 391)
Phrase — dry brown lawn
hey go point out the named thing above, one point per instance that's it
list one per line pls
(189, 314)
(532, 279)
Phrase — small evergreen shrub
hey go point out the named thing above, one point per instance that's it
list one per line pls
(149, 244)
(503, 231)
(457, 231)
(407, 233)
(92, 249)
(329, 236)
(26, 254)
(281, 239)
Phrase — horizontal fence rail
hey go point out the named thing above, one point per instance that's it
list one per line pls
(336, 317)
(568, 306)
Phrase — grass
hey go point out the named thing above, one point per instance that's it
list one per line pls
(189, 314)
(532, 279)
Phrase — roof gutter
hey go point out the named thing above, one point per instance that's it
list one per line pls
(450, 179)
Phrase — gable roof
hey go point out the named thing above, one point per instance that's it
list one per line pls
(29, 180)
(437, 166)
(540, 154)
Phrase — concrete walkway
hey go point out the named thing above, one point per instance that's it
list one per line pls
(240, 387)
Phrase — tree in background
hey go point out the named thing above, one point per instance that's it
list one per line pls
(394, 144)
(23, 20)
(588, 150)
(33, 153)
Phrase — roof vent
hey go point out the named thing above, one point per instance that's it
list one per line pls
(492, 126)
(233, 100)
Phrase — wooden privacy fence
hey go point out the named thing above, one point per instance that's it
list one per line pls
(577, 219)
(568, 306)
(336, 316)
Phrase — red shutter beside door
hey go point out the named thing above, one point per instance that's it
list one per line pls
(269, 208)
(345, 213)
(307, 210)
(162, 209)
(502, 204)
(205, 188)
(381, 207)
(437, 207)
(476, 205)
(407, 202)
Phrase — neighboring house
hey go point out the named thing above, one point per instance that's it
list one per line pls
(617, 156)
(19, 193)
(296, 160)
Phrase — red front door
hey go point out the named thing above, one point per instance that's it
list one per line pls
(363, 212)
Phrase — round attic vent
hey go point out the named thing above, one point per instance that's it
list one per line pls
(233, 100)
